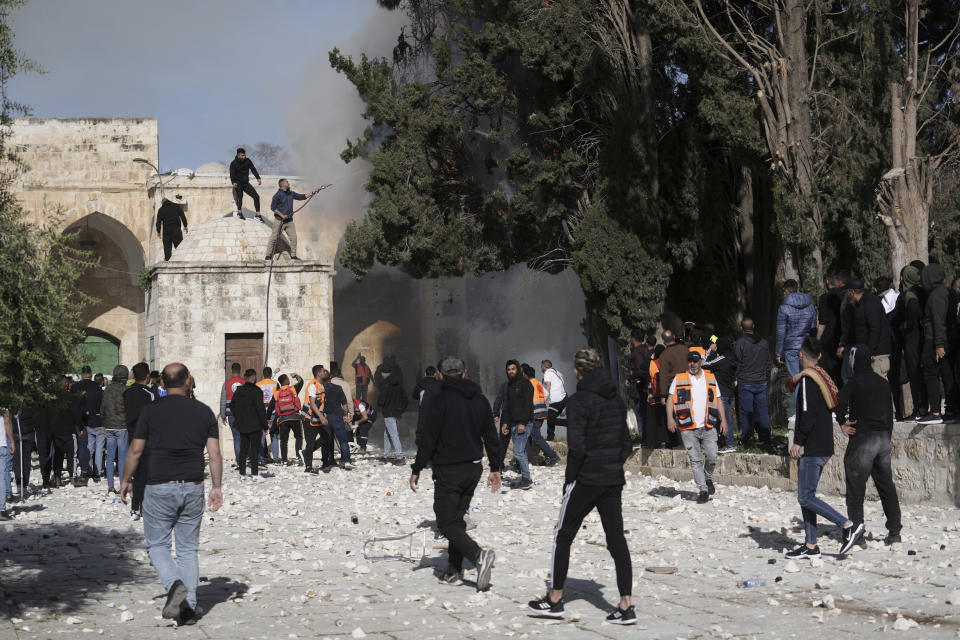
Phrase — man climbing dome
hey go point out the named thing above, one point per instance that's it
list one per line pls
(282, 207)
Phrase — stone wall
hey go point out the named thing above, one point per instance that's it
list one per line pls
(192, 306)
(925, 460)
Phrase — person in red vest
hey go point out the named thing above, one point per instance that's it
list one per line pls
(363, 374)
(226, 397)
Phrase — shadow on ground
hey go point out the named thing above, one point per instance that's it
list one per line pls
(61, 568)
(670, 492)
(779, 541)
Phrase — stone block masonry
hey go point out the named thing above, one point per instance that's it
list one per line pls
(925, 460)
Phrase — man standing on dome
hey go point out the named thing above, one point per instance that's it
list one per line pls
(282, 207)
(240, 169)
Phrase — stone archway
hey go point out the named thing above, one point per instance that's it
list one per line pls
(120, 305)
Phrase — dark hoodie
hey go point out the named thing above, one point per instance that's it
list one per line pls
(910, 317)
(426, 387)
(867, 324)
(392, 401)
(597, 433)
(861, 397)
(457, 426)
(935, 310)
(752, 355)
(796, 319)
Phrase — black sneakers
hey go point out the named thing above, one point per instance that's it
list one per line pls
(892, 538)
(451, 577)
(175, 598)
(619, 616)
(544, 608)
(850, 536)
(710, 488)
(484, 567)
(703, 497)
(189, 615)
(803, 552)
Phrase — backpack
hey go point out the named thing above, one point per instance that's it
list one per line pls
(287, 402)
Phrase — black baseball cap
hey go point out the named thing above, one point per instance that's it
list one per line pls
(693, 356)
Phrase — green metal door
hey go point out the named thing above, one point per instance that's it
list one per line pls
(105, 353)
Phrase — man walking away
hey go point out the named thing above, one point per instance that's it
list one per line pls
(316, 433)
(135, 398)
(170, 219)
(869, 425)
(240, 169)
(599, 441)
(936, 364)
(32, 433)
(752, 355)
(114, 415)
(516, 414)
(178, 429)
(556, 396)
(250, 419)
(458, 426)
(829, 324)
(695, 409)
(65, 424)
(812, 448)
(286, 405)
(391, 403)
(796, 319)
(282, 207)
(93, 426)
(234, 382)
(540, 413)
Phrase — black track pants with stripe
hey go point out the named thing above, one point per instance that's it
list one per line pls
(578, 501)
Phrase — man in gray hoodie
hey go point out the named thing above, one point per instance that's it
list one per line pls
(114, 417)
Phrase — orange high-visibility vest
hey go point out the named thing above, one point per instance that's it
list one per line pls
(683, 402)
(363, 375)
(269, 387)
(319, 394)
(540, 409)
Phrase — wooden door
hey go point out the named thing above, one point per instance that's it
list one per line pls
(245, 348)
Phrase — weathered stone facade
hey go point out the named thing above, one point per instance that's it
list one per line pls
(215, 284)
(925, 460)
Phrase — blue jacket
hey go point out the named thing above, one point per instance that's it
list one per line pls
(283, 202)
(796, 319)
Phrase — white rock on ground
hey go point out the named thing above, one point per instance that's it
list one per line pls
(282, 559)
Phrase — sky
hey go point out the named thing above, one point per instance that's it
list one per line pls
(215, 73)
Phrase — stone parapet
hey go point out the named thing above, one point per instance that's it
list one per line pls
(924, 458)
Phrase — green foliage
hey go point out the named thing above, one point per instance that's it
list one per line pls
(39, 303)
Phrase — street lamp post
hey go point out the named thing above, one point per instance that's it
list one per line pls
(156, 170)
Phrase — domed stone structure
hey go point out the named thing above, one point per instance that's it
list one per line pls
(217, 301)
(212, 169)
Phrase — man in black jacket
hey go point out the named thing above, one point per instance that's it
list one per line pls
(391, 403)
(936, 364)
(32, 432)
(91, 440)
(135, 398)
(170, 218)
(813, 448)
(719, 362)
(869, 424)
(240, 170)
(250, 417)
(752, 355)
(457, 427)
(909, 318)
(829, 325)
(113, 414)
(867, 324)
(599, 444)
(516, 414)
(335, 407)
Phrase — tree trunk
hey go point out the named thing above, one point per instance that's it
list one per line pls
(905, 193)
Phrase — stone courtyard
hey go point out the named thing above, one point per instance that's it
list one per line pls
(282, 559)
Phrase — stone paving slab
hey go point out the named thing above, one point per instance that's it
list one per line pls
(282, 559)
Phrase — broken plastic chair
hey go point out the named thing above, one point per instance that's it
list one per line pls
(394, 552)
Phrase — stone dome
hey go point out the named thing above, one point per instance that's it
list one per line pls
(225, 239)
(213, 167)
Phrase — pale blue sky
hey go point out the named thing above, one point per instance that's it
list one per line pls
(213, 72)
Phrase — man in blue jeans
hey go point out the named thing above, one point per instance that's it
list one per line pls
(179, 429)
(752, 356)
(796, 319)
(114, 416)
(516, 413)
(8, 448)
(234, 382)
(812, 448)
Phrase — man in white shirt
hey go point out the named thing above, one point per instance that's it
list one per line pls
(556, 395)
